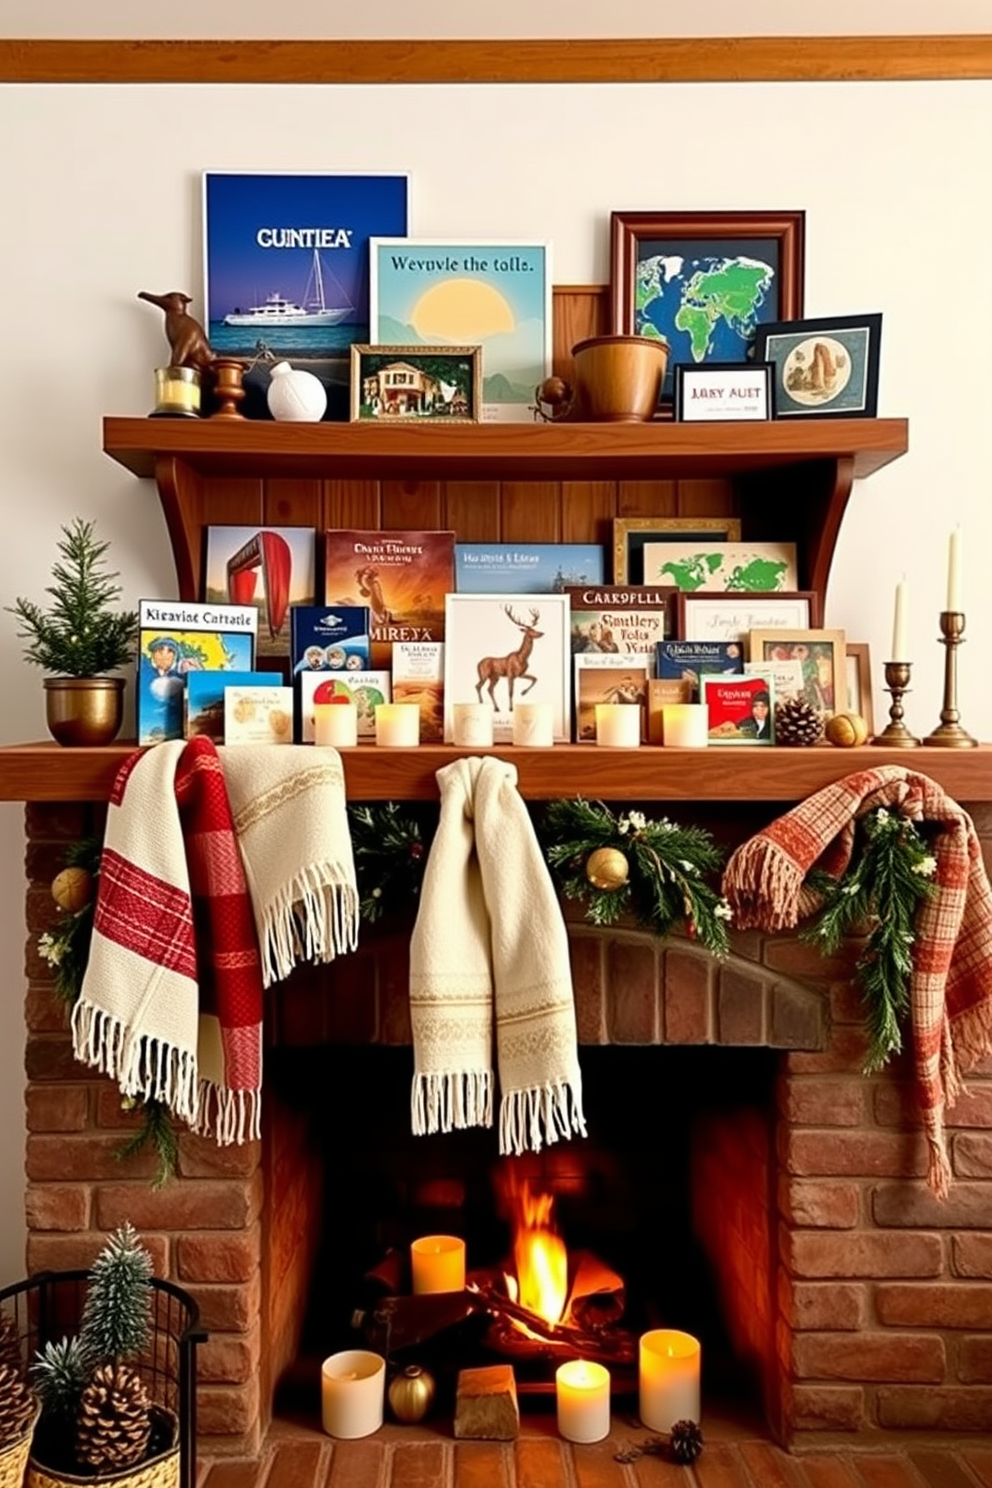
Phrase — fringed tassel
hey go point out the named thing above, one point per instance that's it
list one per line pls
(938, 1166)
(762, 885)
(530, 1119)
(229, 1116)
(451, 1101)
(313, 918)
(143, 1067)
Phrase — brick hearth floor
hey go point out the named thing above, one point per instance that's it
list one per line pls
(416, 1457)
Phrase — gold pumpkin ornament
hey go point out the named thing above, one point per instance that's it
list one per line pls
(72, 889)
(411, 1394)
(607, 868)
(847, 730)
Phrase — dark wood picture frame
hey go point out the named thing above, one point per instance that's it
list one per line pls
(806, 386)
(775, 238)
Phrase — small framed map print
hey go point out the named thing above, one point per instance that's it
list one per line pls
(742, 568)
(631, 533)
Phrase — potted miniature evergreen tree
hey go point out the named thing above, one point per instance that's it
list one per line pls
(79, 639)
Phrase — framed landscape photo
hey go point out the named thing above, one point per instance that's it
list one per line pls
(824, 368)
(732, 617)
(630, 534)
(416, 384)
(704, 281)
(723, 392)
(498, 644)
(822, 655)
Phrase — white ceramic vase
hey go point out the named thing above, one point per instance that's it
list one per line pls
(295, 396)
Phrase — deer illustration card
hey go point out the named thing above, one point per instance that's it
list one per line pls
(402, 577)
(501, 648)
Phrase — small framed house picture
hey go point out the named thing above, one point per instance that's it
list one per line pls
(416, 384)
(500, 648)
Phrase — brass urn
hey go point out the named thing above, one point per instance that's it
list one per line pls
(84, 710)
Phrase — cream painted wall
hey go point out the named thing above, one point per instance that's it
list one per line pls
(100, 188)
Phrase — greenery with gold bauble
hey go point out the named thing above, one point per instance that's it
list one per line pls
(81, 634)
(653, 869)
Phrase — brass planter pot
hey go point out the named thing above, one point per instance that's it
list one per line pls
(84, 711)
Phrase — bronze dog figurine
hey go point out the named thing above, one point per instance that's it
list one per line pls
(187, 338)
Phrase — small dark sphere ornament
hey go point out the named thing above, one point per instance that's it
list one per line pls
(553, 400)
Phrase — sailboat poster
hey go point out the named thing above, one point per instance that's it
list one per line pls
(286, 259)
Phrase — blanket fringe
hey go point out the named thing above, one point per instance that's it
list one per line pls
(143, 1067)
(313, 918)
(938, 1167)
(529, 1119)
(229, 1116)
(443, 1102)
(763, 886)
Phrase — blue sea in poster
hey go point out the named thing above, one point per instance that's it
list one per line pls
(286, 261)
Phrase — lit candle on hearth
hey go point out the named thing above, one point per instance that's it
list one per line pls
(618, 725)
(438, 1264)
(397, 724)
(668, 1378)
(899, 648)
(352, 1392)
(582, 1394)
(954, 571)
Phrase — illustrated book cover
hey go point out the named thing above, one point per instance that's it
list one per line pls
(174, 639)
(621, 620)
(258, 714)
(662, 690)
(729, 567)
(688, 661)
(418, 677)
(608, 679)
(366, 690)
(740, 709)
(271, 568)
(403, 578)
(329, 638)
(205, 699)
(526, 568)
(500, 648)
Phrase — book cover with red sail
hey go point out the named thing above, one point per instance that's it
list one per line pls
(403, 577)
(270, 568)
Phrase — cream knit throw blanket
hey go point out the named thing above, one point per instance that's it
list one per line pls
(490, 945)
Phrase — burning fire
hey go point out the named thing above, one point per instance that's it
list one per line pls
(539, 1256)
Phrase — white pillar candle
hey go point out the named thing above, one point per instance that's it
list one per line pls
(352, 1391)
(438, 1264)
(397, 724)
(618, 725)
(899, 647)
(582, 1393)
(472, 725)
(335, 724)
(685, 725)
(668, 1378)
(954, 571)
(533, 725)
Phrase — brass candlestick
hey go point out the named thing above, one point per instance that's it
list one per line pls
(950, 734)
(896, 735)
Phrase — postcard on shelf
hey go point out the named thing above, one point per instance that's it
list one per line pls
(662, 690)
(205, 699)
(329, 638)
(286, 261)
(740, 709)
(608, 679)
(786, 675)
(365, 689)
(495, 294)
(176, 638)
(500, 648)
(763, 568)
(418, 677)
(687, 661)
(526, 568)
(619, 620)
(258, 715)
(403, 578)
(272, 568)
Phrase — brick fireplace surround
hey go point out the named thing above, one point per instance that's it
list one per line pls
(864, 1305)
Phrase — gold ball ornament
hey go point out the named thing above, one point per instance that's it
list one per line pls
(847, 730)
(411, 1394)
(72, 889)
(607, 868)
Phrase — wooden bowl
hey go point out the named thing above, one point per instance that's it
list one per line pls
(619, 378)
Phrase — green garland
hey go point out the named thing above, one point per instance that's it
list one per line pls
(889, 876)
(663, 883)
(390, 847)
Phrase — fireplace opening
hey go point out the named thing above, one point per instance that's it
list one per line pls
(671, 1195)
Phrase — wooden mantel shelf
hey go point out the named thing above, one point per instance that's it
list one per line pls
(46, 772)
(566, 451)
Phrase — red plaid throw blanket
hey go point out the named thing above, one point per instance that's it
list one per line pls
(951, 985)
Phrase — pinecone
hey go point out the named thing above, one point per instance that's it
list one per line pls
(685, 1442)
(797, 723)
(114, 1422)
(10, 1343)
(17, 1406)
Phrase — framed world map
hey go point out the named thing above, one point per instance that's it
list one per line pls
(704, 281)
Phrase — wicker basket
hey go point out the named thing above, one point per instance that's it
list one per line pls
(14, 1458)
(49, 1306)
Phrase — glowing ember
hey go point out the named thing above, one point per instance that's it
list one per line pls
(540, 1257)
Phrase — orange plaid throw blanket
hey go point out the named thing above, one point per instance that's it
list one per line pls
(951, 983)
